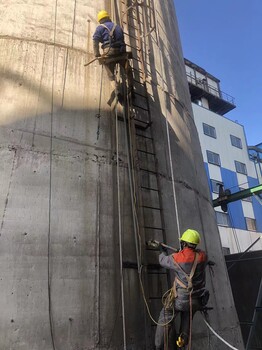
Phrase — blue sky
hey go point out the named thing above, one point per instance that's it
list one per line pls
(225, 38)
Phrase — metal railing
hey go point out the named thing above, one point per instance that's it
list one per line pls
(202, 83)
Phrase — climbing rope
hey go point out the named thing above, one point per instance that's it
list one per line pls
(218, 336)
(166, 302)
(167, 299)
(98, 115)
(190, 321)
(168, 142)
(128, 143)
(120, 232)
(50, 190)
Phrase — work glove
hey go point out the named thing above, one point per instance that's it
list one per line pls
(162, 249)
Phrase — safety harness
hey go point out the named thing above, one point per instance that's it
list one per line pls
(111, 34)
(189, 286)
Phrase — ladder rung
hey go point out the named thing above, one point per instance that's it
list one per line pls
(142, 151)
(140, 127)
(138, 82)
(149, 171)
(137, 70)
(136, 59)
(155, 298)
(156, 273)
(150, 267)
(129, 265)
(142, 121)
(144, 109)
(144, 136)
(137, 93)
(133, 47)
(148, 207)
(149, 188)
(130, 36)
(130, 25)
(154, 228)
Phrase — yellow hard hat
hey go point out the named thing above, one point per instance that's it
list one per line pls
(102, 14)
(190, 236)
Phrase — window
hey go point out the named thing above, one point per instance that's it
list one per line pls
(209, 130)
(222, 219)
(251, 224)
(215, 185)
(213, 158)
(236, 141)
(241, 167)
(247, 199)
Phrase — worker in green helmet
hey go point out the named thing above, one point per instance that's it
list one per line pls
(188, 294)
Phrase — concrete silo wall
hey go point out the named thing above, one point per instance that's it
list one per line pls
(59, 251)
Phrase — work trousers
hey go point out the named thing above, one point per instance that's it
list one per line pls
(110, 67)
(165, 336)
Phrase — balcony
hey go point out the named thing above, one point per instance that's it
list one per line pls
(219, 102)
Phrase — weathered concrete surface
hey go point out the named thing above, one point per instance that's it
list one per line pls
(58, 197)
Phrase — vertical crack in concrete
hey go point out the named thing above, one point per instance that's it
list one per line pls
(88, 49)
(8, 191)
(38, 98)
(97, 260)
(64, 82)
(73, 28)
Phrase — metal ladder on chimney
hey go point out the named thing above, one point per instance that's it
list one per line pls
(149, 204)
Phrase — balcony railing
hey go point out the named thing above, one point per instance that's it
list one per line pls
(202, 83)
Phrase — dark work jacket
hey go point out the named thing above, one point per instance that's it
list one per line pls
(185, 259)
(102, 36)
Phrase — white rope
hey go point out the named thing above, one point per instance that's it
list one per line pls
(131, 175)
(172, 176)
(169, 145)
(49, 261)
(219, 337)
(120, 235)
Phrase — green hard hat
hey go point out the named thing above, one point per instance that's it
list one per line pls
(190, 236)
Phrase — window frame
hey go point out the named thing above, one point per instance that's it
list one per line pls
(238, 170)
(253, 221)
(236, 138)
(209, 127)
(211, 162)
(218, 213)
(217, 182)
(247, 199)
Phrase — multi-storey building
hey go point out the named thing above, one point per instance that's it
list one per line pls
(228, 160)
(255, 154)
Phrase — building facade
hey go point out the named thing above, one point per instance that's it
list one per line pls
(228, 160)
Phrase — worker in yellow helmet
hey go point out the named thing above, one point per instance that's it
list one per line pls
(188, 291)
(111, 38)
